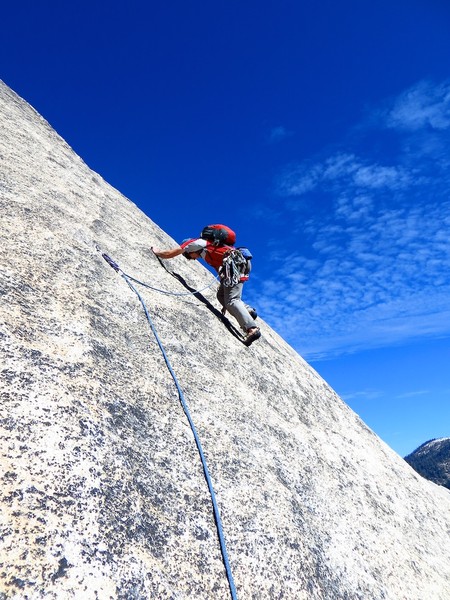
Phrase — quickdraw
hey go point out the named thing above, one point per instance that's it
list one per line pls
(232, 268)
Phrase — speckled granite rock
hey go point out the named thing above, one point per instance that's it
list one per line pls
(102, 491)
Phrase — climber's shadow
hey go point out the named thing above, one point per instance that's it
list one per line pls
(231, 328)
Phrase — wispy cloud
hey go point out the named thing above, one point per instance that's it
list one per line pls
(279, 133)
(373, 267)
(425, 105)
(362, 395)
(413, 394)
(344, 171)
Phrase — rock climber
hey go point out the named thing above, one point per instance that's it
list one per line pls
(229, 296)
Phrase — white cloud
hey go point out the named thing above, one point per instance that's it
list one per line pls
(299, 179)
(413, 394)
(279, 133)
(376, 176)
(342, 172)
(340, 165)
(373, 267)
(424, 105)
(369, 394)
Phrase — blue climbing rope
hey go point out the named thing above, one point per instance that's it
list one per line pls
(217, 518)
(172, 293)
(116, 267)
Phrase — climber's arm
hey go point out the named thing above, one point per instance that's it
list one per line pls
(168, 253)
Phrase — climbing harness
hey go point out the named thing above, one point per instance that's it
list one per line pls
(217, 518)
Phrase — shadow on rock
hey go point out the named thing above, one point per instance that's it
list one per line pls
(217, 313)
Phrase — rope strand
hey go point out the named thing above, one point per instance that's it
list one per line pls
(116, 267)
(216, 512)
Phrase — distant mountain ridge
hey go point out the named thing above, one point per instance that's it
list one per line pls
(432, 461)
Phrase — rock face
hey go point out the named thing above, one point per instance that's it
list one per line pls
(432, 460)
(102, 490)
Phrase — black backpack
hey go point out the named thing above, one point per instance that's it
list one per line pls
(219, 235)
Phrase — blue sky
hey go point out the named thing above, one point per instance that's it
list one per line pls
(319, 131)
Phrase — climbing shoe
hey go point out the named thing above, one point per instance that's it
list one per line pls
(252, 335)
